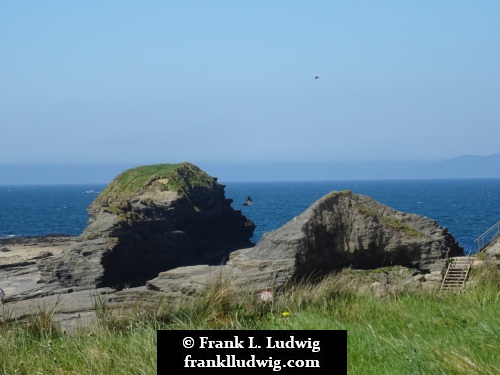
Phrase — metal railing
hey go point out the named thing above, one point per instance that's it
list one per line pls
(491, 233)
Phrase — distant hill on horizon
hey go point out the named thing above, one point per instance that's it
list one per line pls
(466, 166)
(473, 165)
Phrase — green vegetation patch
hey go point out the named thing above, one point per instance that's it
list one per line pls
(391, 222)
(481, 255)
(366, 211)
(399, 225)
(181, 178)
(346, 193)
(387, 270)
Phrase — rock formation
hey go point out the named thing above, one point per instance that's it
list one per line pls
(151, 219)
(168, 230)
(340, 230)
(492, 251)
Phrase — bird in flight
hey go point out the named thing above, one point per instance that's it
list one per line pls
(317, 77)
(248, 202)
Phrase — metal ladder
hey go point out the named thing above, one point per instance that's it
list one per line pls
(456, 275)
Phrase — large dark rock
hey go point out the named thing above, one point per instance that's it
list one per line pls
(344, 229)
(151, 219)
(340, 230)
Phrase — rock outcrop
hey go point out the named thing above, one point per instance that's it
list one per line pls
(340, 230)
(492, 251)
(151, 219)
(167, 230)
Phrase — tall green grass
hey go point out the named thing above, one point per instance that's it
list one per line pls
(420, 333)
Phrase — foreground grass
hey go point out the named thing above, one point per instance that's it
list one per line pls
(96, 351)
(404, 334)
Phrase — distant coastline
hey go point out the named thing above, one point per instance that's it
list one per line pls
(467, 166)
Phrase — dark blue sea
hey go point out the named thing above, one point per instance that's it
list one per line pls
(466, 207)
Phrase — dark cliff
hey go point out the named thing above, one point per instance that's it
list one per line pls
(151, 219)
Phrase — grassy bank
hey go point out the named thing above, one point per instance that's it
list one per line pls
(405, 334)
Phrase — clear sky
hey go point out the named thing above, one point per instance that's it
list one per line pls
(143, 82)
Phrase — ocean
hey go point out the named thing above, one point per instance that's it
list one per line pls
(467, 207)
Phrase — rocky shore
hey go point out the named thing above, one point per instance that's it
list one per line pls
(166, 231)
(26, 249)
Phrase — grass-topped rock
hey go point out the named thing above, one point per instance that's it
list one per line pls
(151, 219)
(153, 184)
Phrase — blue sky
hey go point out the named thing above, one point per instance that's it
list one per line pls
(128, 82)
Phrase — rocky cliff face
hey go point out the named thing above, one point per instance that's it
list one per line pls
(340, 230)
(344, 229)
(152, 219)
